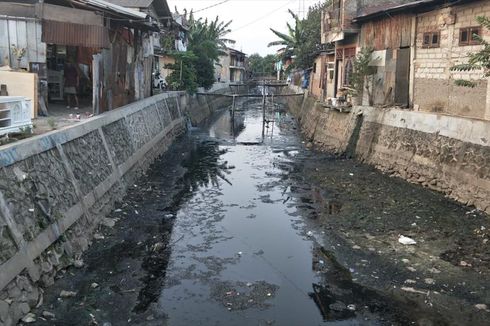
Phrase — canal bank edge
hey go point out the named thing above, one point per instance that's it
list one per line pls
(444, 153)
(55, 189)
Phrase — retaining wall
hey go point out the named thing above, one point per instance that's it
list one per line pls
(56, 188)
(445, 153)
(201, 105)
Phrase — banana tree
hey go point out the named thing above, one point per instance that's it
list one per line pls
(476, 61)
(293, 39)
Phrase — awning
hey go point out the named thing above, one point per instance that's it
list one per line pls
(75, 34)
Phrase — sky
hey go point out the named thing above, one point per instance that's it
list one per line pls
(252, 19)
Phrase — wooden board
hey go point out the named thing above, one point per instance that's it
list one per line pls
(388, 33)
(21, 84)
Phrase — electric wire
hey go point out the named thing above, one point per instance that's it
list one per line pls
(212, 6)
(263, 17)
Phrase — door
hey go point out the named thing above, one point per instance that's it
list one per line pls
(402, 79)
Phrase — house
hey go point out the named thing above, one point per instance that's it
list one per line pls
(174, 39)
(390, 38)
(283, 64)
(109, 45)
(416, 44)
(444, 37)
(172, 36)
(339, 29)
(323, 73)
(231, 66)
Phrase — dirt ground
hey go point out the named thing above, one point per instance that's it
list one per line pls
(363, 213)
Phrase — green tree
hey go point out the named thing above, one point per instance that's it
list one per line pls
(476, 61)
(294, 38)
(307, 52)
(207, 41)
(304, 39)
(184, 74)
(262, 66)
(362, 74)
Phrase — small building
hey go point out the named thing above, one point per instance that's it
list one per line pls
(323, 73)
(416, 44)
(283, 64)
(110, 46)
(443, 38)
(390, 38)
(174, 39)
(339, 29)
(172, 34)
(231, 67)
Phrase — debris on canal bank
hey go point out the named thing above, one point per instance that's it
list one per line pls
(448, 266)
(243, 296)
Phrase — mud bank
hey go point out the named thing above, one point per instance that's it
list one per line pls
(444, 153)
(55, 189)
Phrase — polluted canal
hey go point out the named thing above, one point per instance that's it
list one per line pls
(240, 223)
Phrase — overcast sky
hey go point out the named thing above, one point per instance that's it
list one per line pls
(251, 19)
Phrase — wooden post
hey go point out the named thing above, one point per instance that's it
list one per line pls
(263, 109)
(487, 111)
(263, 100)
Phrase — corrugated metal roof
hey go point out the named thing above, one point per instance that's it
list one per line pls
(132, 3)
(161, 6)
(75, 34)
(115, 8)
(376, 11)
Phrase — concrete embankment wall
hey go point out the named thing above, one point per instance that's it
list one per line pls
(444, 153)
(204, 103)
(55, 189)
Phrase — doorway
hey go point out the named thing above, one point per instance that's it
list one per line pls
(70, 78)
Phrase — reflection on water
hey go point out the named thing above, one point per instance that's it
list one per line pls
(240, 251)
(227, 127)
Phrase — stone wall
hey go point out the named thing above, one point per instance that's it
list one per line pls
(445, 153)
(56, 188)
(327, 129)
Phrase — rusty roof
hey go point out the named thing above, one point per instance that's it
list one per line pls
(374, 12)
(64, 33)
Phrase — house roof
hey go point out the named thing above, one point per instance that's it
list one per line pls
(132, 3)
(387, 9)
(161, 6)
(236, 51)
(115, 8)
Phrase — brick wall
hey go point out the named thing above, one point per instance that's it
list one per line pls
(434, 88)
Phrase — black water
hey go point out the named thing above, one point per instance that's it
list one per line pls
(241, 253)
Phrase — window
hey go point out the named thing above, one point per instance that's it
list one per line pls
(468, 35)
(331, 70)
(348, 72)
(431, 40)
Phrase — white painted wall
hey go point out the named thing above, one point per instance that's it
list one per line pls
(24, 33)
(469, 130)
